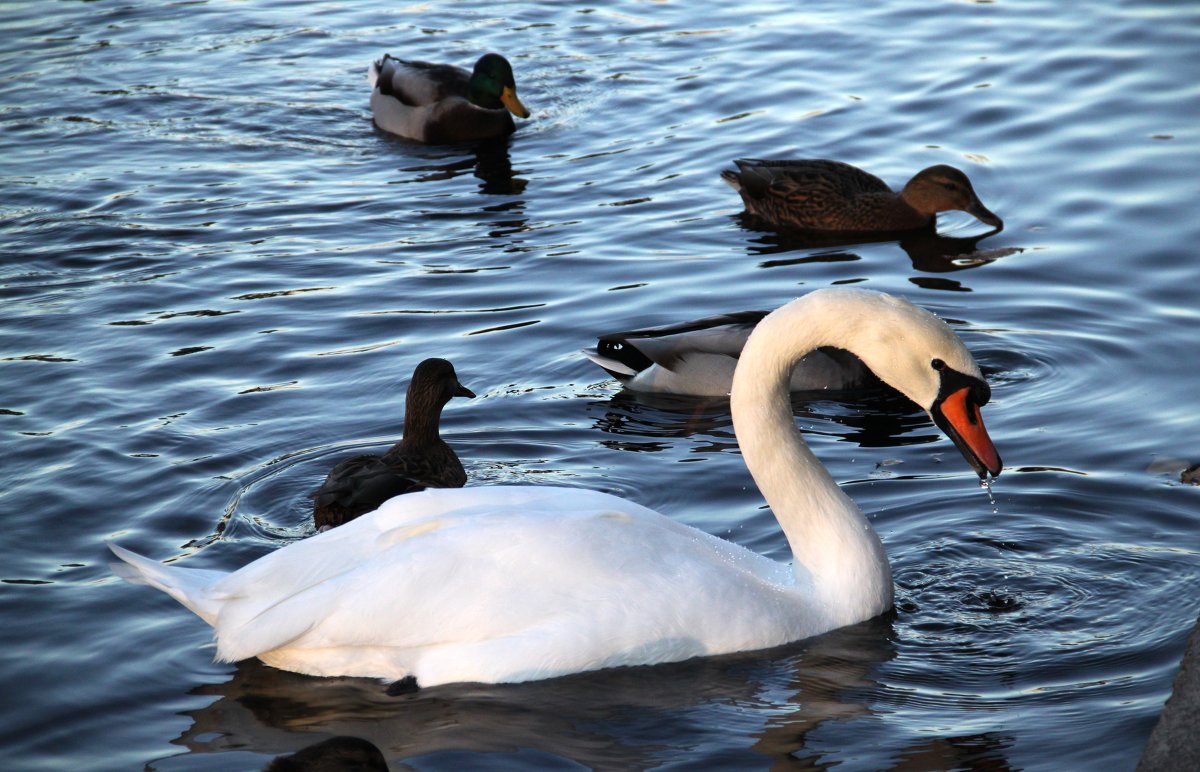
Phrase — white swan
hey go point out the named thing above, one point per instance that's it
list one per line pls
(497, 584)
(697, 358)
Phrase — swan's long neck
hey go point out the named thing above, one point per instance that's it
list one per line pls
(833, 544)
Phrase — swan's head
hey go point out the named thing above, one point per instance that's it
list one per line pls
(955, 410)
(918, 354)
(912, 351)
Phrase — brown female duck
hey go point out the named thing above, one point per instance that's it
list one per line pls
(833, 196)
(420, 460)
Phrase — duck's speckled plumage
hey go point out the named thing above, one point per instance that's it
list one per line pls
(421, 459)
(834, 196)
(444, 104)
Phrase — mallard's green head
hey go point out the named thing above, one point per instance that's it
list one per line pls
(493, 87)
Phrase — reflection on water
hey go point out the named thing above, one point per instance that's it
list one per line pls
(934, 253)
(494, 169)
(490, 163)
(929, 250)
(807, 701)
(638, 414)
(878, 417)
(591, 719)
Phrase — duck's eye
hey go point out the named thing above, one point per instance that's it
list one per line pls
(937, 364)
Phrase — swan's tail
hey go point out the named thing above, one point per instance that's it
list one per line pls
(189, 586)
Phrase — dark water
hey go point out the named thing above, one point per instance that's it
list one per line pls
(217, 277)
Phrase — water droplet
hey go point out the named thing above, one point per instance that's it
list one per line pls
(986, 484)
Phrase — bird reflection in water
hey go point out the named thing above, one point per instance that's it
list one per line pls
(873, 417)
(489, 161)
(929, 251)
(811, 696)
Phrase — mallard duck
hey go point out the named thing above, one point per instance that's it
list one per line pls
(505, 583)
(441, 103)
(833, 196)
(698, 358)
(421, 459)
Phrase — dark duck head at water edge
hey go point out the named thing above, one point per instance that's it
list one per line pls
(444, 104)
(337, 754)
(824, 195)
(420, 460)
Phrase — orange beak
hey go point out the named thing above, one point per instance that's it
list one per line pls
(959, 417)
(508, 97)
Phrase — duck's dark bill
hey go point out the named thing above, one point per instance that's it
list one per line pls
(986, 216)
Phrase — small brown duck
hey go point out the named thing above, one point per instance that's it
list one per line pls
(444, 104)
(833, 196)
(420, 460)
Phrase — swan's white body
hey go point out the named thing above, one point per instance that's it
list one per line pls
(496, 584)
(499, 584)
(698, 358)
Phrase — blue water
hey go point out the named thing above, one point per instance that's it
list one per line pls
(217, 276)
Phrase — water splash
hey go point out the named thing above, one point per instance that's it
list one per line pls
(986, 484)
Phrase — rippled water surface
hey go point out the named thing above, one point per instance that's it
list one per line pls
(217, 277)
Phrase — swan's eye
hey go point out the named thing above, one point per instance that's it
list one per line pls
(937, 364)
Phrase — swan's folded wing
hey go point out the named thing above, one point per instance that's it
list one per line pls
(333, 552)
(273, 600)
(424, 550)
(467, 580)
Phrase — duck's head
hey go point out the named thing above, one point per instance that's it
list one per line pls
(434, 382)
(493, 87)
(917, 354)
(942, 188)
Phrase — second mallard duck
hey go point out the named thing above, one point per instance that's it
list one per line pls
(443, 104)
(833, 196)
